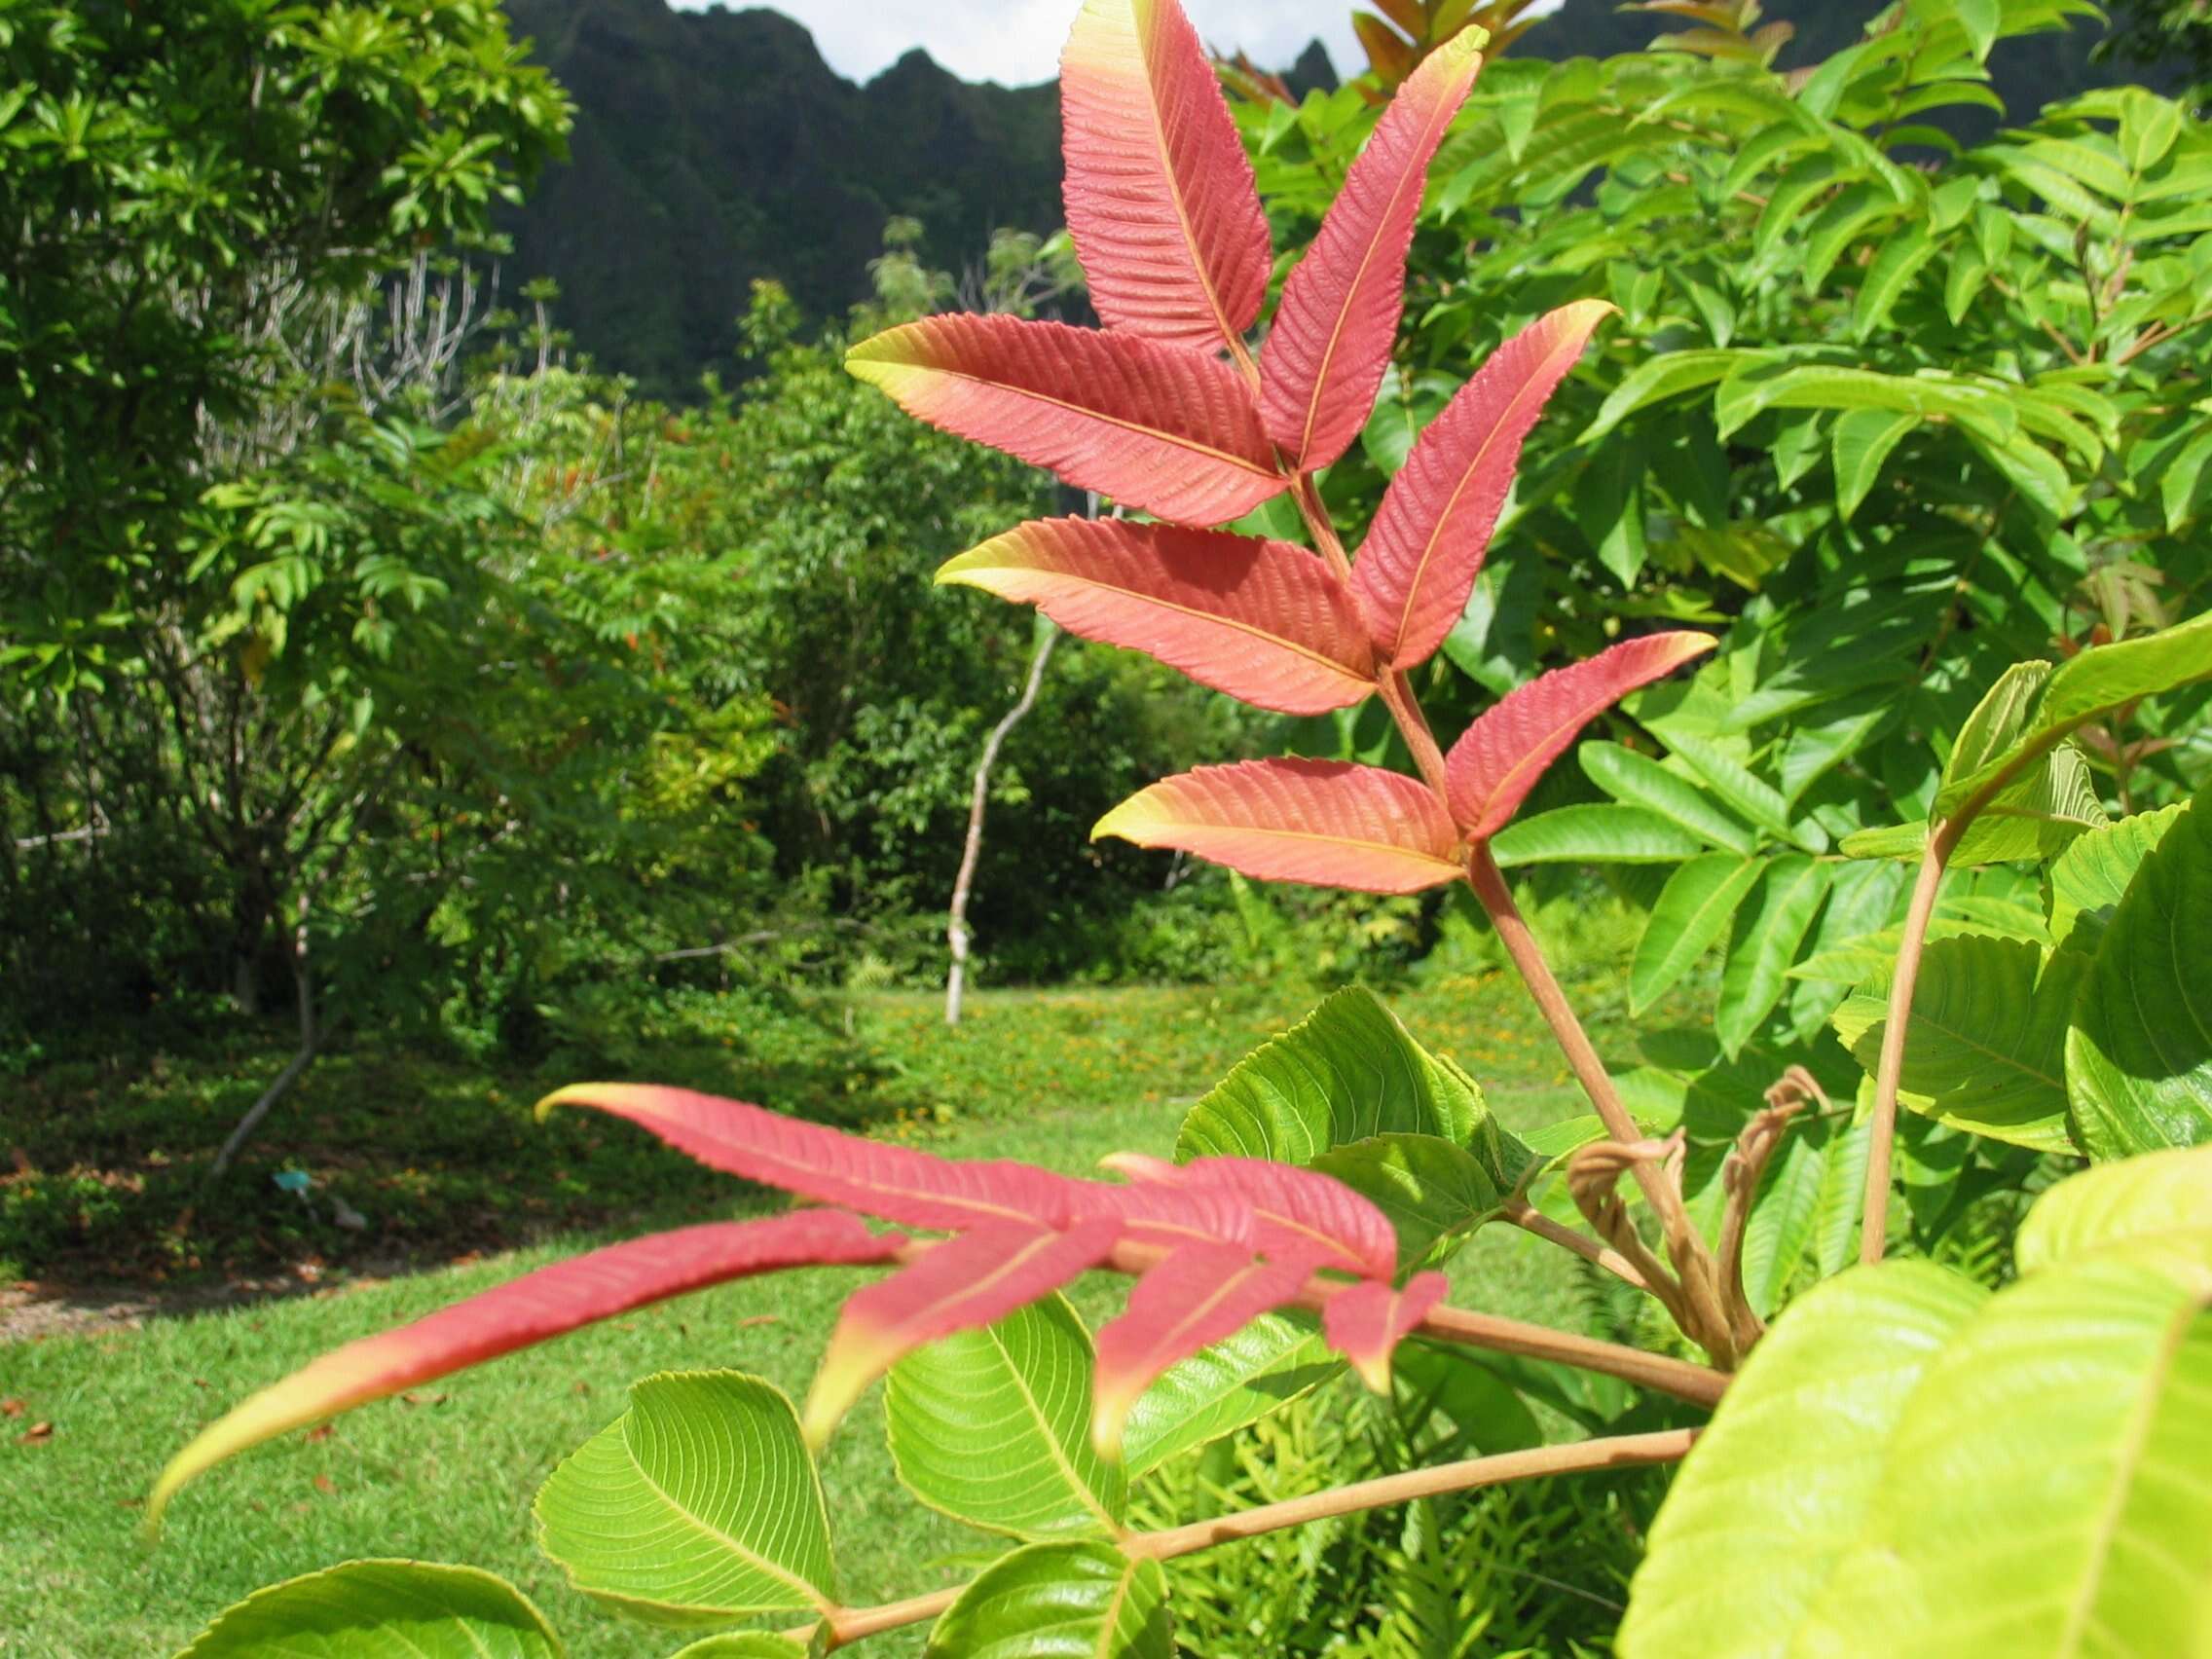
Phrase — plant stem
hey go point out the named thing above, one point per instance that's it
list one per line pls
(1619, 1451)
(1531, 1220)
(1881, 1142)
(1413, 725)
(1315, 512)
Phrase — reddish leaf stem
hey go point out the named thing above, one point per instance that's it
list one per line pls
(846, 1625)
(1413, 725)
(1881, 1142)
(1531, 1220)
(1314, 511)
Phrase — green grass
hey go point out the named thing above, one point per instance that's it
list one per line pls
(1054, 1078)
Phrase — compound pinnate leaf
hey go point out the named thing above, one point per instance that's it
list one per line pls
(1420, 561)
(1594, 833)
(1193, 1298)
(1985, 1048)
(698, 1505)
(1332, 336)
(1503, 755)
(2139, 1054)
(992, 1427)
(1073, 1601)
(972, 1279)
(1261, 620)
(1637, 780)
(2044, 1492)
(1219, 1389)
(1171, 432)
(383, 1609)
(1366, 1321)
(1159, 192)
(1775, 1492)
(1767, 938)
(1347, 1071)
(1693, 910)
(2159, 1192)
(1326, 823)
(531, 1309)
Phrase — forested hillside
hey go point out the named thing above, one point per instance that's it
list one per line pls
(714, 147)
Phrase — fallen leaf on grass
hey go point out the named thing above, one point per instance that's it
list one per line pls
(10, 1408)
(326, 1485)
(314, 1434)
(37, 1434)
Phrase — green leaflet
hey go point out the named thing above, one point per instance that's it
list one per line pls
(1433, 1191)
(2097, 681)
(698, 1505)
(2090, 877)
(1593, 833)
(1785, 1221)
(1862, 440)
(2045, 1489)
(382, 1610)
(1347, 1071)
(1082, 1600)
(1664, 375)
(1693, 910)
(1641, 780)
(1986, 1047)
(2139, 1056)
(1766, 939)
(2160, 1192)
(993, 1427)
(1219, 1389)
(1773, 1495)
(746, 1645)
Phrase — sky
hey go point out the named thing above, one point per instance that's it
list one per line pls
(1017, 41)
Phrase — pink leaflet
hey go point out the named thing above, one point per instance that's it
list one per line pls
(1365, 1321)
(1300, 1212)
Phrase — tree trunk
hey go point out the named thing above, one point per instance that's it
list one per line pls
(978, 802)
(311, 1039)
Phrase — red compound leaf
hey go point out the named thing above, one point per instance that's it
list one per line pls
(1332, 336)
(1159, 192)
(522, 1312)
(1327, 822)
(1172, 433)
(1423, 554)
(1365, 1321)
(1498, 759)
(1261, 620)
(971, 1280)
(1196, 1297)
(1298, 1212)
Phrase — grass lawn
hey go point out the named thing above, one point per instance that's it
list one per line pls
(1055, 1077)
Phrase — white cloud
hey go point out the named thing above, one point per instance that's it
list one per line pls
(1017, 41)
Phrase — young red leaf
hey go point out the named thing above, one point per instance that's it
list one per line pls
(1193, 1298)
(1171, 432)
(1331, 335)
(1298, 1212)
(896, 1183)
(1365, 1321)
(971, 1280)
(1261, 620)
(1419, 561)
(1326, 823)
(1159, 192)
(1498, 759)
(523, 1311)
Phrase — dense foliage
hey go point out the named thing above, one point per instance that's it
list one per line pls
(1872, 513)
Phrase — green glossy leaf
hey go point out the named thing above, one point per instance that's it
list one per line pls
(1784, 1221)
(1773, 1495)
(1986, 1047)
(2139, 1057)
(1693, 910)
(1219, 1389)
(698, 1505)
(746, 1645)
(1078, 1601)
(993, 1427)
(1863, 440)
(1886, 279)
(1594, 834)
(1661, 376)
(1767, 935)
(2097, 681)
(2135, 1198)
(1347, 1071)
(2091, 876)
(1433, 1192)
(2044, 1492)
(1998, 720)
(1641, 780)
(1738, 788)
(2036, 815)
(382, 1610)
